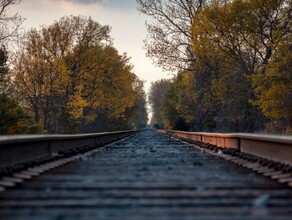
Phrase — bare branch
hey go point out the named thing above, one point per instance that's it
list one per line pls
(169, 37)
(9, 24)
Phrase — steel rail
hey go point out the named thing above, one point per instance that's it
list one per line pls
(147, 176)
(272, 147)
(17, 149)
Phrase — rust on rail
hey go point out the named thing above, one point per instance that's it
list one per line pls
(273, 147)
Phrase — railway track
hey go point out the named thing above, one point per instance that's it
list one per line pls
(145, 176)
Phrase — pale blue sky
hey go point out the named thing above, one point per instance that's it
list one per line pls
(128, 26)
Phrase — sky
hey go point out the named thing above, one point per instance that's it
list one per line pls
(127, 23)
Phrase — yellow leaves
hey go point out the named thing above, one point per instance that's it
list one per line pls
(242, 29)
(273, 87)
(76, 104)
(275, 102)
(69, 74)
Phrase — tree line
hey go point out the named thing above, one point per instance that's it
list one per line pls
(68, 77)
(233, 59)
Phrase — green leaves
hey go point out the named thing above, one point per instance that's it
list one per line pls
(4, 70)
(13, 119)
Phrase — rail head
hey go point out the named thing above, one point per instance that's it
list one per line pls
(13, 139)
(266, 138)
(273, 147)
(17, 149)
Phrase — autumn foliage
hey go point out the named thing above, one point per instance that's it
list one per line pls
(69, 78)
(240, 77)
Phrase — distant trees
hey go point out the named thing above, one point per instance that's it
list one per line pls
(135, 116)
(157, 93)
(138, 115)
(239, 79)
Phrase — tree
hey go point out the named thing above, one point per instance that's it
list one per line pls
(134, 117)
(249, 34)
(157, 93)
(232, 91)
(139, 114)
(238, 79)
(168, 112)
(246, 30)
(9, 25)
(13, 119)
(69, 74)
(169, 38)
(4, 70)
(273, 90)
(48, 74)
(171, 115)
(190, 104)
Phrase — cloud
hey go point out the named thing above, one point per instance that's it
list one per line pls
(122, 4)
(87, 2)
